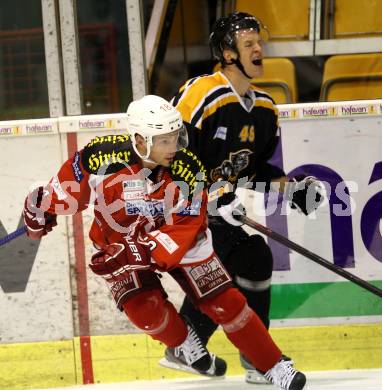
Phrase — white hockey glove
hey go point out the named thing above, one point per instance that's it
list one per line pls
(304, 193)
(231, 211)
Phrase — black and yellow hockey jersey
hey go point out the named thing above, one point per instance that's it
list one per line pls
(234, 137)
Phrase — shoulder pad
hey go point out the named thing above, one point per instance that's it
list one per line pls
(108, 154)
(187, 168)
(260, 93)
(205, 84)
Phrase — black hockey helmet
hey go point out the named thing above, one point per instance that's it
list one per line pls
(224, 29)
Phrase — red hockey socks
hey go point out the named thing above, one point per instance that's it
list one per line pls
(243, 328)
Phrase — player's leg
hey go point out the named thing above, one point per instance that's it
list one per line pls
(144, 301)
(203, 324)
(249, 261)
(218, 366)
(209, 286)
(247, 332)
(250, 264)
(224, 240)
(184, 276)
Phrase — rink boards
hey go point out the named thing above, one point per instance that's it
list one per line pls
(49, 302)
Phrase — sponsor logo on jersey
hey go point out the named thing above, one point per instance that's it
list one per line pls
(134, 195)
(207, 277)
(191, 210)
(166, 241)
(134, 190)
(188, 168)
(77, 172)
(151, 208)
(134, 185)
(111, 139)
(230, 169)
(221, 133)
(122, 288)
(101, 159)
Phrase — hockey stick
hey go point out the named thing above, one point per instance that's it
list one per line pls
(310, 255)
(13, 235)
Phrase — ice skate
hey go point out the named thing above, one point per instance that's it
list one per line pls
(192, 356)
(252, 375)
(283, 375)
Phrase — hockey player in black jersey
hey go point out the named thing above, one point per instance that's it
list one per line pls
(233, 128)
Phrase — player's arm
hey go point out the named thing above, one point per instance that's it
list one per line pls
(164, 248)
(186, 222)
(66, 193)
(303, 192)
(267, 173)
(175, 238)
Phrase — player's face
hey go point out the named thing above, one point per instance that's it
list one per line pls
(164, 148)
(249, 45)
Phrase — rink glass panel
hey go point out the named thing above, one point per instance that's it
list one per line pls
(23, 84)
(104, 56)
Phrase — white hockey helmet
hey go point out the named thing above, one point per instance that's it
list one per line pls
(151, 116)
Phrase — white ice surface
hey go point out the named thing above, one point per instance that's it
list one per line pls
(318, 380)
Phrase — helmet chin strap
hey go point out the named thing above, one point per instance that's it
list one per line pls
(240, 66)
(150, 161)
(144, 157)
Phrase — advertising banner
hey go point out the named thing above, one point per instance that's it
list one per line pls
(340, 144)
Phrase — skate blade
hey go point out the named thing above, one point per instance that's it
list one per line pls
(261, 382)
(256, 379)
(182, 367)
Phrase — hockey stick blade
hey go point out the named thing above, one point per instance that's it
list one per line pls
(310, 255)
(13, 235)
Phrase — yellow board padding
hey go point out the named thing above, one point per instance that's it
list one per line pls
(135, 356)
(37, 365)
(332, 347)
(129, 357)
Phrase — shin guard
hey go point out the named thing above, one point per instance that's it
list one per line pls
(157, 317)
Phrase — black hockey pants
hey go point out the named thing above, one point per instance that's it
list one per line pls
(249, 261)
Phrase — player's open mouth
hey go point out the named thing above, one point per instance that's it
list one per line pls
(257, 61)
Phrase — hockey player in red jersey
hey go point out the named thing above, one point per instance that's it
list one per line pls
(148, 219)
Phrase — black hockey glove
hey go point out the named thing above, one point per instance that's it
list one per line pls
(230, 209)
(304, 193)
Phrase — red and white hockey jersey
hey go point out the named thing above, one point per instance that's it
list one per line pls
(129, 199)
